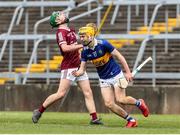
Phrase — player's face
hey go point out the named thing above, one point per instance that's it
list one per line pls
(85, 39)
(61, 18)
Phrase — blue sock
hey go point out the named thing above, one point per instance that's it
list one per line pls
(138, 103)
(129, 118)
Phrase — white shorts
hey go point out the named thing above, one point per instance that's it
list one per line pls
(67, 74)
(110, 82)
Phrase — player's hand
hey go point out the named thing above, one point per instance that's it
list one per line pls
(129, 77)
(74, 73)
(77, 73)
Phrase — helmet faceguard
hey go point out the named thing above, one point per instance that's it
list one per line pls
(57, 18)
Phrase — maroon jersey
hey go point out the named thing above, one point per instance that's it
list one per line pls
(71, 58)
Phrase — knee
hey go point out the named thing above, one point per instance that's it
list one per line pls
(60, 94)
(121, 100)
(88, 93)
(109, 104)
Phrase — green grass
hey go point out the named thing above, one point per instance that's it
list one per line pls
(78, 123)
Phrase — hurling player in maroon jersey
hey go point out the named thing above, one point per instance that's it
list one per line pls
(69, 48)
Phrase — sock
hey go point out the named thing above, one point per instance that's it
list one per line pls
(94, 116)
(42, 108)
(129, 118)
(138, 103)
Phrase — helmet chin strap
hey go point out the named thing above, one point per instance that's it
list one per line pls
(65, 21)
(91, 40)
(88, 43)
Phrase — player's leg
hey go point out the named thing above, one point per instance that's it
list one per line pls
(85, 87)
(89, 100)
(120, 95)
(64, 85)
(109, 100)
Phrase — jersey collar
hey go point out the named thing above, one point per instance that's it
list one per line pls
(64, 28)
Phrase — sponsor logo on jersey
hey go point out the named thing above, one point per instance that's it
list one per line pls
(101, 60)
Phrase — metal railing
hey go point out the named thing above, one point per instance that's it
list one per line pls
(137, 3)
(143, 44)
(31, 59)
(140, 2)
(9, 30)
(36, 3)
(20, 6)
(19, 76)
(75, 17)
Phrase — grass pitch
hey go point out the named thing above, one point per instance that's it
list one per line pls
(78, 123)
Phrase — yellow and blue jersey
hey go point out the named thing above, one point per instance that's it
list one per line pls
(101, 57)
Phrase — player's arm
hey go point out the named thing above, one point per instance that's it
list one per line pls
(72, 47)
(122, 60)
(81, 69)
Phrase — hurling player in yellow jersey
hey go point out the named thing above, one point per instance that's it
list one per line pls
(101, 53)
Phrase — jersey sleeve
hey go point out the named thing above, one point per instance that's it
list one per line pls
(108, 46)
(83, 56)
(61, 36)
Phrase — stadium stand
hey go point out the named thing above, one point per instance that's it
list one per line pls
(166, 61)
